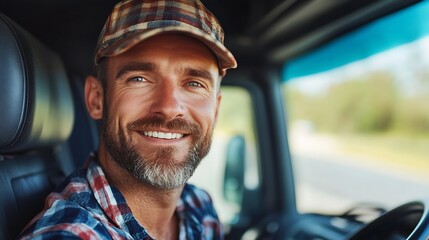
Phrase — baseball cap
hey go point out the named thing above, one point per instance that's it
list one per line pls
(133, 21)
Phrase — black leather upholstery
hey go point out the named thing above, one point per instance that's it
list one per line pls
(36, 119)
(35, 97)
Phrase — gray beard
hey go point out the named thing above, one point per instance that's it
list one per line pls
(158, 169)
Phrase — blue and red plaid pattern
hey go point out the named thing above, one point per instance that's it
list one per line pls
(87, 207)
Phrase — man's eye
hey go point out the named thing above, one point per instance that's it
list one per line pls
(137, 79)
(194, 84)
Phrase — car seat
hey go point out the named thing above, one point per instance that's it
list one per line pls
(36, 120)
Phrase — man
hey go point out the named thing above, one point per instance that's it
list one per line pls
(156, 91)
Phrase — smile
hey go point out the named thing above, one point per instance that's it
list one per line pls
(162, 135)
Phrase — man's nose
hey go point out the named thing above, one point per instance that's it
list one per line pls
(168, 101)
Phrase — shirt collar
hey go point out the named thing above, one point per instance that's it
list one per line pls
(112, 201)
(115, 207)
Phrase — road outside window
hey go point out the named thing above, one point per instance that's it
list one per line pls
(360, 133)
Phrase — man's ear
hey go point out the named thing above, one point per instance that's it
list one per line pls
(94, 97)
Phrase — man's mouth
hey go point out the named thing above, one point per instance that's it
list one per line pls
(162, 135)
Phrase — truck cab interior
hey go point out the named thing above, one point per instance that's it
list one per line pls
(262, 186)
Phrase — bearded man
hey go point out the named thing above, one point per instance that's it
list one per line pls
(156, 90)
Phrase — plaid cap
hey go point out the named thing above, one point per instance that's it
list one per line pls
(133, 21)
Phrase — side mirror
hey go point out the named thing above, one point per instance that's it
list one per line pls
(233, 185)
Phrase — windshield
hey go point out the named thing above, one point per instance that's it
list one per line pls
(359, 126)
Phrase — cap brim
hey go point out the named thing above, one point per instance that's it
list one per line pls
(225, 57)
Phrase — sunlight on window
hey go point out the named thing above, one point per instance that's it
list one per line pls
(361, 132)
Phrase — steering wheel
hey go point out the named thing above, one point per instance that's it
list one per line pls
(409, 221)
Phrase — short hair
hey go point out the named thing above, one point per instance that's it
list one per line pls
(101, 73)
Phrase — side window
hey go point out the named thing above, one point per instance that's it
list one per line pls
(231, 167)
(359, 132)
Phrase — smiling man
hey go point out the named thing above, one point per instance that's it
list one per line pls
(157, 93)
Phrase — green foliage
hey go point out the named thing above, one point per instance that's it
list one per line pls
(412, 115)
(369, 104)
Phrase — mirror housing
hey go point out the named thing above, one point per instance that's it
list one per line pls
(233, 185)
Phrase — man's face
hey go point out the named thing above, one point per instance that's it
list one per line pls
(160, 108)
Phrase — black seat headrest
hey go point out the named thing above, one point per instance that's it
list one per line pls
(36, 106)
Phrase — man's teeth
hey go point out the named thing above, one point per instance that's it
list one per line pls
(163, 135)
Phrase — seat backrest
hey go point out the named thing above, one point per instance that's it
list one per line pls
(36, 119)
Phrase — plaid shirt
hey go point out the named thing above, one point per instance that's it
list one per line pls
(87, 207)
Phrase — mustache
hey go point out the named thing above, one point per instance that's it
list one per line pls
(161, 122)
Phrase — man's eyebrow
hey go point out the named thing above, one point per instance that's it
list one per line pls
(135, 66)
(200, 73)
